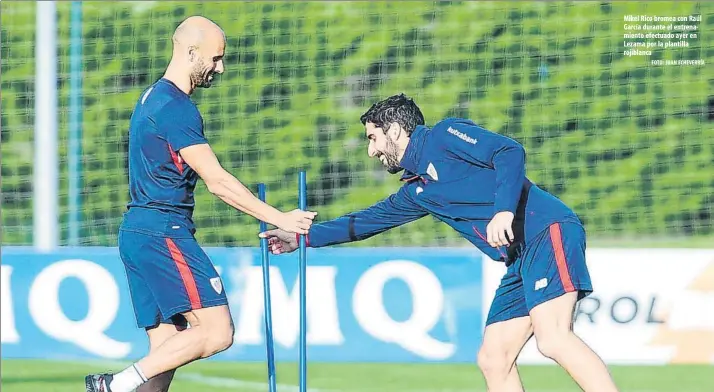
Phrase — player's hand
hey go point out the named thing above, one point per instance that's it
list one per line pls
(296, 221)
(499, 231)
(280, 241)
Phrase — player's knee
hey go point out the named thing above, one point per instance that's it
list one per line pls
(552, 343)
(219, 338)
(494, 363)
(215, 326)
(552, 325)
(223, 339)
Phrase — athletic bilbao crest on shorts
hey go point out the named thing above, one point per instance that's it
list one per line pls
(216, 284)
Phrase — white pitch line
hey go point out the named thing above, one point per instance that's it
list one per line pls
(224, 382)
(377, 389)
(221, 382)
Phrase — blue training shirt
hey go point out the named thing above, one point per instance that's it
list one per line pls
(161, 185)
(462, 175)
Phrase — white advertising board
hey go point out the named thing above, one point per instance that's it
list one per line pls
(650, 306)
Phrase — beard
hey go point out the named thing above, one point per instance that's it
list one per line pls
(391, 155)
(201, 76)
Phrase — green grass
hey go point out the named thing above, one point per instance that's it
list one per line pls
(46, 376)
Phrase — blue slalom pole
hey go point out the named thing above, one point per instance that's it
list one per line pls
(302, 204)
(267, 309)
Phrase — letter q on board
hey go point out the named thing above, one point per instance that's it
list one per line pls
(88, 333)
(427, 298)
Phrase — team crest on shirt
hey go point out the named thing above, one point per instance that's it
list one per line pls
(431, 170)
(216, 284)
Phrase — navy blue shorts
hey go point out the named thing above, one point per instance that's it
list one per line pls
(167, 277)
(552, 265)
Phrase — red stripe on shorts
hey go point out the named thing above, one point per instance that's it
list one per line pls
(557, 240)
(186, 275)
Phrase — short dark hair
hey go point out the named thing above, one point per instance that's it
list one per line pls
(397, 108)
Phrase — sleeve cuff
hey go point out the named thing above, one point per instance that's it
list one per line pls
(506, 207)
(187, 143)
(307, 239)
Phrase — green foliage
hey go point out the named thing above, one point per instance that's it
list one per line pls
(626, 144)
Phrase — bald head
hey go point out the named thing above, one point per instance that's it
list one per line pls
(198, 48)
(195, 31)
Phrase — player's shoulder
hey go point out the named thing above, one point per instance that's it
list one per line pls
(164, 96)
(451, 124)
(454, 127)
(181, 108)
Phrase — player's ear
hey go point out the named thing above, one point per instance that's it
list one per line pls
(394, 131)
(192, 53)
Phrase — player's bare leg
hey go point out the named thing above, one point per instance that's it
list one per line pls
(211, 332)
(553, 328)
(157, 337)
(502, 342)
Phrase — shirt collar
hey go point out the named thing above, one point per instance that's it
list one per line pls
(412, 154)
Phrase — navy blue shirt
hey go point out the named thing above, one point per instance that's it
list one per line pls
(463, 175)
(161, 185)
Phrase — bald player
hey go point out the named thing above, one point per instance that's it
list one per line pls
(172, 282)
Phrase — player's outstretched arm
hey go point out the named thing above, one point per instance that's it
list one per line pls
(225, 186)
(396, 210)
